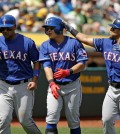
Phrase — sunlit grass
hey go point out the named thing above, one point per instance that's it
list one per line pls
(63, 130)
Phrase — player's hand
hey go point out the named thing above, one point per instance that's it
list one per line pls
(54, 87)
(32, 85)
(67, 26)
(61, 73)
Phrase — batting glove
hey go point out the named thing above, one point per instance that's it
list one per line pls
(69, 28)
(54, 87)
(61, 73)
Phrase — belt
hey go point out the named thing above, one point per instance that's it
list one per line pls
(116, 85)
(17, 82)
(62, 83)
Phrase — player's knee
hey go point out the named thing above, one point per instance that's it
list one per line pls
(51, 131)
(108, 121)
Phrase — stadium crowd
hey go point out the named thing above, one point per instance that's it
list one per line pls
(88, 16)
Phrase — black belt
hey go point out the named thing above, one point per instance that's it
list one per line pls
(17, 82)
(62, 83)
(116, 85)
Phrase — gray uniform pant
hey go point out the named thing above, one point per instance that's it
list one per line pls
(110, 109)
(70, 97)
(20, 98)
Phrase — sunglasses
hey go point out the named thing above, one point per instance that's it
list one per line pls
(49, 28)
(6, 28)
(114, 28)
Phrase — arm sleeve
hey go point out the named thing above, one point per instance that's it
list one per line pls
(98, 43)
(81, 54)
(33, 52)
(43, 53)
(46, 64)
(44, 57)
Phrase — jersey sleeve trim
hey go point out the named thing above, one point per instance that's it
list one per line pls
(95, 44)
(82, 60)
(35, 61)
(45, 59)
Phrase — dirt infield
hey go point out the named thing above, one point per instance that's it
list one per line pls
(63, 123)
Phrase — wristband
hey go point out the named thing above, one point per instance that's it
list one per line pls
(74, 32)
(51, 80)
(71, 71)
(36, 72)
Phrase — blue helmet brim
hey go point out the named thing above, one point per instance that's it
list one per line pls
(113, 25)
(50, 25)
(6, 25)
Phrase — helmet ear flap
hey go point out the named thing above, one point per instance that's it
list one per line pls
(58, 30)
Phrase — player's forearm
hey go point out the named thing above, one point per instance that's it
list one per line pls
(86, 39)
(36, 65)
(82, 37)
(78, 68)
(48, 73)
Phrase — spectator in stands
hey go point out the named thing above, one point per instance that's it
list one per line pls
(41, 14)
(1, 11)
(35, 3)
(87, 29)
(50, 3)
(97, 29)
(65, 6)
(76, 18)
(111, 12)
(54, 11)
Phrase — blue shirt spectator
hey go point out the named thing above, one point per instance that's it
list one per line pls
(65, 6)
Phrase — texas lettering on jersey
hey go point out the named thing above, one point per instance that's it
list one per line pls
(112, 56)
(56, 56)
(13, 55)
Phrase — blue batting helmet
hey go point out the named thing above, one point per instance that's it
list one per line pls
(55, 22)
(7, 21)
(116, 23)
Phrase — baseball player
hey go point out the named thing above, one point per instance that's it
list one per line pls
(63, 59)
(17, 77)
(110, 49)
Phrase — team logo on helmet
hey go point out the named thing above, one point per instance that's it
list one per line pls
(4, 21)
(48, 21)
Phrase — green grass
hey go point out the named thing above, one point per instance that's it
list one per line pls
(63, 130)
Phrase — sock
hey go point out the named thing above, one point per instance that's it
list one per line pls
(75, 131)
(50, 126)
(51, 129)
